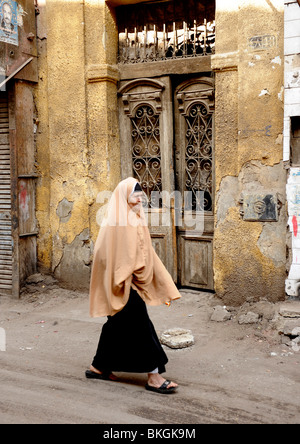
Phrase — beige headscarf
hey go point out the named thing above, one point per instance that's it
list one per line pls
(124, 257)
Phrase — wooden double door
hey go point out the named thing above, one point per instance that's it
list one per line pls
(166, 135)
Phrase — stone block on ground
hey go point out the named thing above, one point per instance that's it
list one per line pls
(177, 338)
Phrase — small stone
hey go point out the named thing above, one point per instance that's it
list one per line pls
(220, 314)
(291, 327)
(249, 318)
(296, 332)
(290, 310)
(295, 344)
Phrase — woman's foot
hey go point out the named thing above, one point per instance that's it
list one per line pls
(111, 376)
(156, 380)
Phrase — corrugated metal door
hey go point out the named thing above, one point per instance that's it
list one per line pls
(6, 249)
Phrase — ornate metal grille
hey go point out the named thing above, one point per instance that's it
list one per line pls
(146, 154)
(198, 156)
(166, 41)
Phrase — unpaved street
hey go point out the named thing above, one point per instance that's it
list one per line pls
(233, 374)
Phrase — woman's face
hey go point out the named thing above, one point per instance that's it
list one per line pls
(135, 201)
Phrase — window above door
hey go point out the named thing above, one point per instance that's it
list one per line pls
(165, 30)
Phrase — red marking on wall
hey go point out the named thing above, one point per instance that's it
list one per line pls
(295, 225)
(23, 197)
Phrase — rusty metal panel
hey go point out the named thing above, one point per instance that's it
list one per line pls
(6, 249)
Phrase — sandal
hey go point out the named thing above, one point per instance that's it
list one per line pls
(104, 376)
(163, 389)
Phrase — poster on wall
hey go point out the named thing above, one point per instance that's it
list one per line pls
(9, 22)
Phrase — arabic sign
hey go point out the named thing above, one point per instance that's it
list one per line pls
(262, 42)
(9, 22)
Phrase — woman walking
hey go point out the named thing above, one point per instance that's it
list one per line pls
(126, 275)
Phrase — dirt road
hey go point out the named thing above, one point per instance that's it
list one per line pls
(233, 374)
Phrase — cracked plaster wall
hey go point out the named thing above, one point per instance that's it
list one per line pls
(77, 138)
(249, 257)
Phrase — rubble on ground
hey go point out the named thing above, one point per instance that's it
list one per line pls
(283, 318)
(287, 322)
(38, 283)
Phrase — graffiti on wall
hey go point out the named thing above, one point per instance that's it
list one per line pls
(9, 22)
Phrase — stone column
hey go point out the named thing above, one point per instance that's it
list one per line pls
(101, 46)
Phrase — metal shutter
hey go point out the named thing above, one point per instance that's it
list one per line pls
(5, 199)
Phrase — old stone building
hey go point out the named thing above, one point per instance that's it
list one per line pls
(188, 96)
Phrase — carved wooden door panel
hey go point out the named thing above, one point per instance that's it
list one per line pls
(146, 131)
(179, 190)
(194, 108)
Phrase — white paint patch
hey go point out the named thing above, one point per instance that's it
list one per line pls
(251, 64)
(264, 92)
(276, 60)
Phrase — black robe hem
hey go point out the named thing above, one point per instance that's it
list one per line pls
(128, 341)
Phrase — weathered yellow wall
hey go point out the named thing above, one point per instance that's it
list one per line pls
(78, 142)
(102, 76)
(43, 155)
(249, 257)
(77, 145)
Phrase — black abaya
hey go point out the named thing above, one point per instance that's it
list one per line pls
(128, 341)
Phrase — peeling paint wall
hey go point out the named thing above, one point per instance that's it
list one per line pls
(249, 255)
(77, 138)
